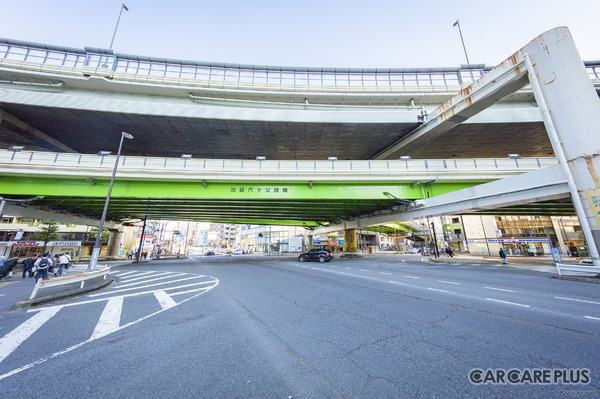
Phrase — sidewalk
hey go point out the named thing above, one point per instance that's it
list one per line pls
(543, 264)
(17, 290)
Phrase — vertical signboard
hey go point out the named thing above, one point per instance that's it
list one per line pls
(593, 197)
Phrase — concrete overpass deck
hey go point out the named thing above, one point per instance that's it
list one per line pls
(242, 191)
(79, 100)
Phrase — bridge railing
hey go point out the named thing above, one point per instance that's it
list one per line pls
(140, 168)
(106, 63)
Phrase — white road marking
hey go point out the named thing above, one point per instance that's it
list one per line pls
(499, 289)
(577, 300)
(110, 319)
(138, 275)
(416, 278)
(315, 268)
(164, 299)
(435, 289)
(144, 286)
(387, 274)
(593, 318)
(363, 270)
(119, 286)
(120, 274)
(30, 365)
(396, 282)
(448, 282)
(128, 280)
(195, 290)
(13, 339)
(509, 303)
(348, 268)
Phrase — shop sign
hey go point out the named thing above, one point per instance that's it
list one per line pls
(556, 255)
(593, 197)
(25, 243)
(64, 244)
(19, 235)
(316, 239)
(513, 240)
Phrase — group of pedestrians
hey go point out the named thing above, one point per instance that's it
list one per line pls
(44, 264)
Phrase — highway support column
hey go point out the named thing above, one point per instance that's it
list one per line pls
(570, 110)
(350, 240)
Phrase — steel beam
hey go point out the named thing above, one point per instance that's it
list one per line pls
(13, 120)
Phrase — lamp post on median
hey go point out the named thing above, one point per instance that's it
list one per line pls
(96, 250)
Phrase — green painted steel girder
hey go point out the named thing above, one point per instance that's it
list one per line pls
(222, 190)
(289, 203)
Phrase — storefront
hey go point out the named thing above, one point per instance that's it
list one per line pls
(21, 249)
(61, 247)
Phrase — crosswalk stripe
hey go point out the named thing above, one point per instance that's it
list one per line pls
(148, 281)
(110, 318)
(139, 274)
(13, 339)
(145, 286)
(121, 274)
(164, 299)
(128, 280)
(194, 290)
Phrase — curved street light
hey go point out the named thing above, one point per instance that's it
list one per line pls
(96, 250)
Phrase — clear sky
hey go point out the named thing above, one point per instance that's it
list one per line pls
(344, 33)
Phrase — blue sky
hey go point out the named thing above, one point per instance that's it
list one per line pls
(306, 33)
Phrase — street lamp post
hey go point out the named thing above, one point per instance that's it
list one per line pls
(96, 251)
(461, 39)
(123, 6)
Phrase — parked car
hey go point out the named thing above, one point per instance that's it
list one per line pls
(208, 253)
(320, 254)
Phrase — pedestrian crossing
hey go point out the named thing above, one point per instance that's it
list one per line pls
(102, 313)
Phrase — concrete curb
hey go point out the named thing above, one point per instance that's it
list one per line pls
(27, 303)
(581, 279)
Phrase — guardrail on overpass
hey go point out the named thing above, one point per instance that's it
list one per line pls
(105, 63)
(71, 165)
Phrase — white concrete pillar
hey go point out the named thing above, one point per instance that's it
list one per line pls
(574, 109)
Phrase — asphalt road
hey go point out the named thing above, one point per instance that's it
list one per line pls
(260, 327)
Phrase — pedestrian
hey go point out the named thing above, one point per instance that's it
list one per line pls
(51, 270)
(42, 264)
(451, 252)
(28, 266)
(502, 256)
(63, 261)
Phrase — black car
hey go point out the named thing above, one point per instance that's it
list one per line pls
(322, 255)
(209, 253)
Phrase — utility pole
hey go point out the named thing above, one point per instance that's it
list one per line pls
(141, 247)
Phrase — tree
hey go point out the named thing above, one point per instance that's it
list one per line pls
(103, 238)
(48, 232)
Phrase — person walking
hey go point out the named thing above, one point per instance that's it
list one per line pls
(43, 264)
(63, 261)
(502, 256)
(28, 266)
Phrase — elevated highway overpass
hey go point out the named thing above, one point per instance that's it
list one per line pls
(79, 100)
(310, 193)
(541, 102)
